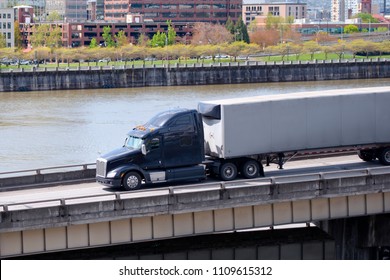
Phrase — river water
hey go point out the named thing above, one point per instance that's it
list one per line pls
(54, 128)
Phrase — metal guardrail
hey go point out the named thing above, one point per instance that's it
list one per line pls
(198, 188)
(42, 68)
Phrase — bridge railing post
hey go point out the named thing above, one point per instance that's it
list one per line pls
(321, 183)
(369, 177)
(171, 196)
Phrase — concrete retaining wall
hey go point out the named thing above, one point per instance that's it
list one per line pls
(196, 74)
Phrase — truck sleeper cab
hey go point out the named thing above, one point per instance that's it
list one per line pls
(167, 148)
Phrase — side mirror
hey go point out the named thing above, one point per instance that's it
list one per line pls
(143, 149)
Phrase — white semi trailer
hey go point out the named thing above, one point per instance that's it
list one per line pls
(275, 126)
(232, 137)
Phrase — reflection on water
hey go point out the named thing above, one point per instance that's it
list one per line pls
(51, 128)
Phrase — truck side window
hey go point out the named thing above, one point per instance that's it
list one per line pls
(183, 123)
(153, 144)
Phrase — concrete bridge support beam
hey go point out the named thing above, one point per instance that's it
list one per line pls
(361, 237)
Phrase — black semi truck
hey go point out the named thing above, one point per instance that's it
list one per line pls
(234, 137)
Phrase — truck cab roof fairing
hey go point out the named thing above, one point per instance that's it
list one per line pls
(158, 121)
(162, 118)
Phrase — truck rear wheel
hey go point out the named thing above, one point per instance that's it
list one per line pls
(384, 156)
(228, 171)
(250, 169)
(132, 181)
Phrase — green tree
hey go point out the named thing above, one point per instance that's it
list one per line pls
(230, 25)
(39, 34)
(143, 40)
(296, 49)
(284, 49)
(242, 31)
(252, 27)
(171, 34)
(362, 46)
(121, 39)
(53, 38)
(236, 48)
(93, 44)
(366, 18)
(350, 28)
(18, 35)
(311, 47)
(251, 49)
(3, 42)
(159, 40)
(273, 22)
(53, 16)
(339, 48)
(382, 29)
(384, 47)
(326, 50)
(107, 37)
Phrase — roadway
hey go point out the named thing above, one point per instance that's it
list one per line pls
(101, 193)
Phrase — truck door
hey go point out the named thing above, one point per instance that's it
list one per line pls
(181, 143)
(153, 157)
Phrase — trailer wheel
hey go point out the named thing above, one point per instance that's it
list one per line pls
(384, 156)
(250, 169)
(366, 155)
(132, 181)
(228, 171)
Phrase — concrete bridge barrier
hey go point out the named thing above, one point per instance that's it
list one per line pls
(47, 176)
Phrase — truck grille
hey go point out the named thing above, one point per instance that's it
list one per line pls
(101, 167)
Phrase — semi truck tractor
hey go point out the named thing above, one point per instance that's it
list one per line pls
(235, 137)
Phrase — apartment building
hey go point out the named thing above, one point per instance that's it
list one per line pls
(116, 9)
(7, 19)
(69, 10)
(260, 9)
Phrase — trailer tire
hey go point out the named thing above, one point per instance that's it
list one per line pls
(228, 171)
(132, 181)
(366, 155)
(384, 156)
(250, 169)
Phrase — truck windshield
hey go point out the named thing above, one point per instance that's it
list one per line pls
(132, 142)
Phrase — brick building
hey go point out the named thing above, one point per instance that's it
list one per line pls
(175, 10)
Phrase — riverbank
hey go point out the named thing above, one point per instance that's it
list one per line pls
(41, 79)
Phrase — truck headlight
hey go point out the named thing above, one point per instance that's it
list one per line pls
(111, 174)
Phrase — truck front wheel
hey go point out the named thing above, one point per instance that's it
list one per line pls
(228, 171)
(250, 169)
(384, 156)
(132, 181)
